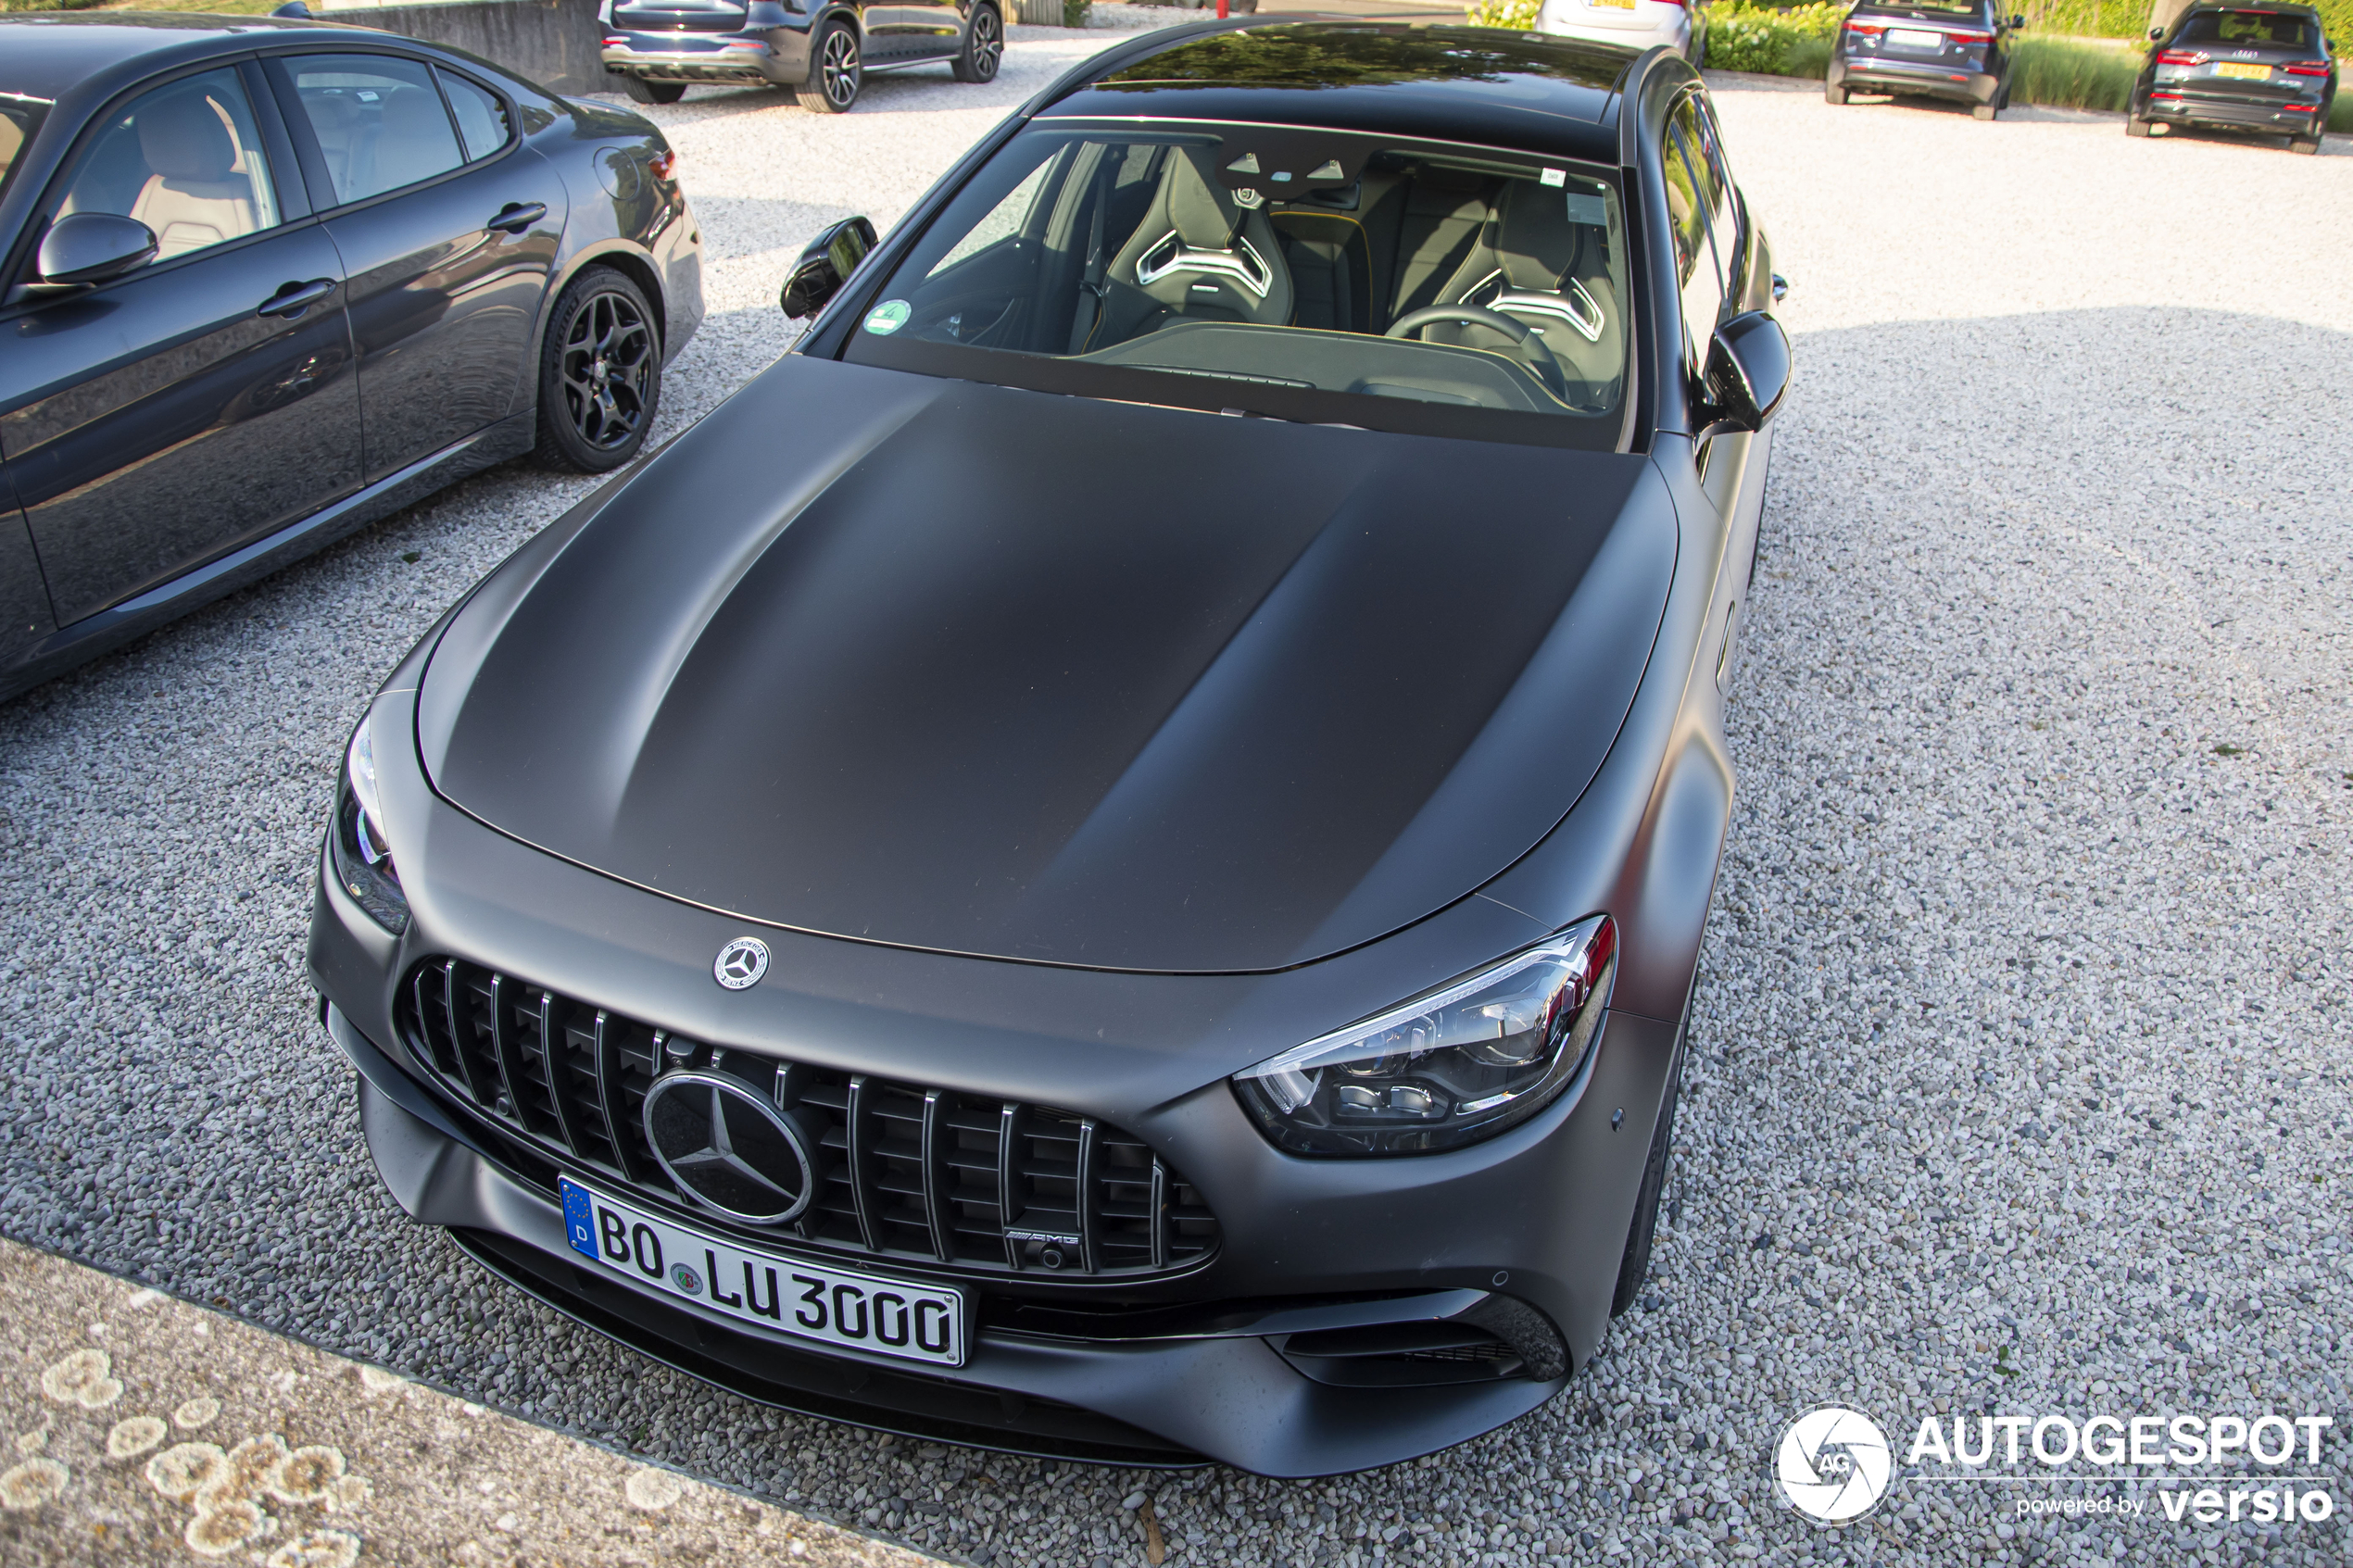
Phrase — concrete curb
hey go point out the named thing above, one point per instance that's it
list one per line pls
(141, 1429)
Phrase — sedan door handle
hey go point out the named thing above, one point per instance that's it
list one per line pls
(515, 217)
(294, 298)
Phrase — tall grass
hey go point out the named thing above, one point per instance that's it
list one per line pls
(2072, 76)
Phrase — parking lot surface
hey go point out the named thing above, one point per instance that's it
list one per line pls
(2018, 1072)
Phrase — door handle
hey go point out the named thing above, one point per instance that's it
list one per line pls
(515, 217)
(294, 298)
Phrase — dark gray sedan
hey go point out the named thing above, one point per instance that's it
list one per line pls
(1138, 897)
(269, 281)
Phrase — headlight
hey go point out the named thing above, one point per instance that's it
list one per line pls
(362, 855)
(1450, 1068)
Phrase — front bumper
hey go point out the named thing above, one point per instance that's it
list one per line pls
(1157, 1369)
(1925, 79)
(775, 54)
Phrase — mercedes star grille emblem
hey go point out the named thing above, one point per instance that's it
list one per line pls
(740, 963)
(725, 1145)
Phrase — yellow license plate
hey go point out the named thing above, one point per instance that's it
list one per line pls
(2244, 73)
(1611, 5)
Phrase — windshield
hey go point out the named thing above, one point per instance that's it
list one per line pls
(20, 118)
(1293, 271)
(1974, 10)
(2245, 30)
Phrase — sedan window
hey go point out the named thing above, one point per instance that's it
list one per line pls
(185, 160)
(482, 118)
(1312, 274)
(20, 118)
(379, 119)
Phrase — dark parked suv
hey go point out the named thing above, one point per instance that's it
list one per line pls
(2241, 67)
(822, 51)
(1958, 49)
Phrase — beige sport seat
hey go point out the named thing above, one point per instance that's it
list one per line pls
(197, 196)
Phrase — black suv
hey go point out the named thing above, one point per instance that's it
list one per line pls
(2241, 68)
(822, 51)
(1958, 50)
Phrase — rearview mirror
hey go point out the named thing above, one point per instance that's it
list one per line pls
(93, 247)
(831, 258)
(1747, 373)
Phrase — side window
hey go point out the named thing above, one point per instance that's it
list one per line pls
(185, 160)
(378, 121)
(1724, 212)
(482, 118)
(1690, 193)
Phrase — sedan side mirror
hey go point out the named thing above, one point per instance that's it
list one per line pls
(2018, 22)
(2156, 33)
(1746, 374)
(93, 247)
(831, 258)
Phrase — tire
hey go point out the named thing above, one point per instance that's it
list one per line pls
(836, 71)
(1834, 92)
(599, 375)
(643, 92)
(1635, 1267)
(2002, 99)
(2136, 126)
(2306, 144)
(1984, 111)
(984, 48)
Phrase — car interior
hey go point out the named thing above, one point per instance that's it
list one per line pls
(1391, 273)
(185, 161)
(380, 122)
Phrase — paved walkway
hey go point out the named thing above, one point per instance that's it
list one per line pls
(142, 1430)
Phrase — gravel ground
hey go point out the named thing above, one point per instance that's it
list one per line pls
(2020, 1067)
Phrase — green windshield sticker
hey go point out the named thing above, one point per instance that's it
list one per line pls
(887, 318)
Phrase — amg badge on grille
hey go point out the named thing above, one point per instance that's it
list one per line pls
(740, 963)
(723, 1143)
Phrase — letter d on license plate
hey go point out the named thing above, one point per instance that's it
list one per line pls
(888, 1317)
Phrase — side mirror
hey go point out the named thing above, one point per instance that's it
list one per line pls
(2018, 22)
(93, 247)
(1747, 373)
(831, 258)
(2156, 33)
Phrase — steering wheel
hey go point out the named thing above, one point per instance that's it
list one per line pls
(1523, 336)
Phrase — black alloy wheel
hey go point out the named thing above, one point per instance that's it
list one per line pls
(835, 71)
(643, 92)
(984, 47)
(599, 375)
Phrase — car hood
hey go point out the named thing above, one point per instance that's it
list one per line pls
(992, 671)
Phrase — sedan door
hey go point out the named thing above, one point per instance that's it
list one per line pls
(202, 400)
(447, 227)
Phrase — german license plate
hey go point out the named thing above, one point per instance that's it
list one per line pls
(1914, 38)
(2238, 72)
(792, 1296)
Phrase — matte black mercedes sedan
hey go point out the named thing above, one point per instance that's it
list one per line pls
(1953, 49)
(266, 281)
(1136, 894)
(659, 48)
(2267, 68)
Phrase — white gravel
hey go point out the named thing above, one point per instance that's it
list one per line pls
(2020, 1071)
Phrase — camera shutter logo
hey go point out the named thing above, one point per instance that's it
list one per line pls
(1834, 1464)
(740, 963)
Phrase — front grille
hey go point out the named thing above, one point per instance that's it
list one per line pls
(905, 1170)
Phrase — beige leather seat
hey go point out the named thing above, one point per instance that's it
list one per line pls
(197, 196)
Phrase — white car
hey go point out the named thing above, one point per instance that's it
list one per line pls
(1637, 24)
